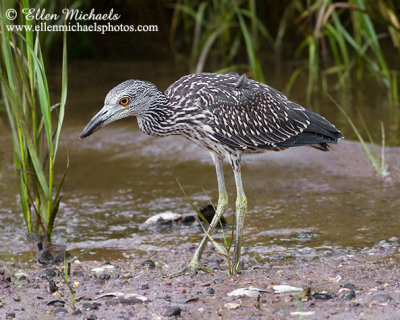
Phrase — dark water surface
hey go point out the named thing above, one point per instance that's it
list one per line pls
(299, 201)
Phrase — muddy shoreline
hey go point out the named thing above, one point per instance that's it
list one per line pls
(362, 285)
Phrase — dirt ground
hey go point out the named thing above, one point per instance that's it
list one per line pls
(336, 285)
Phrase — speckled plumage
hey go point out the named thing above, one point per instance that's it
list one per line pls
(227, 114)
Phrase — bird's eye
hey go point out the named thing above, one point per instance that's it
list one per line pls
(124, 101)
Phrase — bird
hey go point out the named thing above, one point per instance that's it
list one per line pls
(227, 114)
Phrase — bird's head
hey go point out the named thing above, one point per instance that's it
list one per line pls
(129, 98)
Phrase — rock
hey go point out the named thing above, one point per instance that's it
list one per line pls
(184, 300)
(48, 273)
(92, 317)
(102, 268)
(21, 276)
(283, 288)
(52, 302)
(188, 219)
(145, 286)
(91, 306)
(52, 286)
(173, 311)
(59, 304)
(349, 295)
(350, 286)
(78, 274)
(382, 297)
(60, 310)
(104, 276)
(209, 290)
(123, 295)
(231, 306)
(112, 302)
(165, 216)
(321, 296)
(59, 259)
(248, 292)
(44, 257)
(10, 315)
(208, 213)
(302, 313)
(148, 264)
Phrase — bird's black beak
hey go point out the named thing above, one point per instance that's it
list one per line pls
(102, 118)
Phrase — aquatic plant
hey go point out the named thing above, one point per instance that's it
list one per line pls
(376, 159)
(35, 123)
(224, 24)
(225, 249)
(339, 39)
(352, 47)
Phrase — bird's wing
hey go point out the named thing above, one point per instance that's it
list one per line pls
(253, 118)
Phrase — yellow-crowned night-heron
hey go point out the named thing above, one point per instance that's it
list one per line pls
(225, 114)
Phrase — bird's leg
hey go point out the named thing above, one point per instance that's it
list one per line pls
(241, 208)
(195, 265)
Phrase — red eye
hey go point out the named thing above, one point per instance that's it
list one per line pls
(124, 101)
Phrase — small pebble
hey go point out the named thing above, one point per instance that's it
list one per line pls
(148, 264)
(10, 315)
(173, 311)
(52, 286)
(209, 290)
(48, 273)
(21, 276)
(321, 296)
(349, 295)
(78, 274)
(231, 306)
(60, 310)
(382, 297)
(146, 286)
(44, 257)
(104, 276)
(92, 317)
(59, 259)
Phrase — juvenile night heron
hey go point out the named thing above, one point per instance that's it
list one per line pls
(225, 114)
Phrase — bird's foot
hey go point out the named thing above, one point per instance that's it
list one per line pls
(193, 267)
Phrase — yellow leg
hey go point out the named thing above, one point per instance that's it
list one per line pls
(195, 265)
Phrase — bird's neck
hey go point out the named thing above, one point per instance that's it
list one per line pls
(157, 119)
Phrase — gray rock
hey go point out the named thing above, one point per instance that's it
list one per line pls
(44, 257)
(382, 297)
(148, 264)
(104, 276)
(173, 311)
(52, 286)
(59, 259)
(78, 274)
(209, 290)
(60, 310)
(48, 273)
(348, 295)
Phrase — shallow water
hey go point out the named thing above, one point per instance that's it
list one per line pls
(299, 201)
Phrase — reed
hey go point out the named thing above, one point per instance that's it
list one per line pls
(35, 123)
(377, 160)
(225, 249)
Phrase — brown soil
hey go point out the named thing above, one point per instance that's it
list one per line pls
(374, 272)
